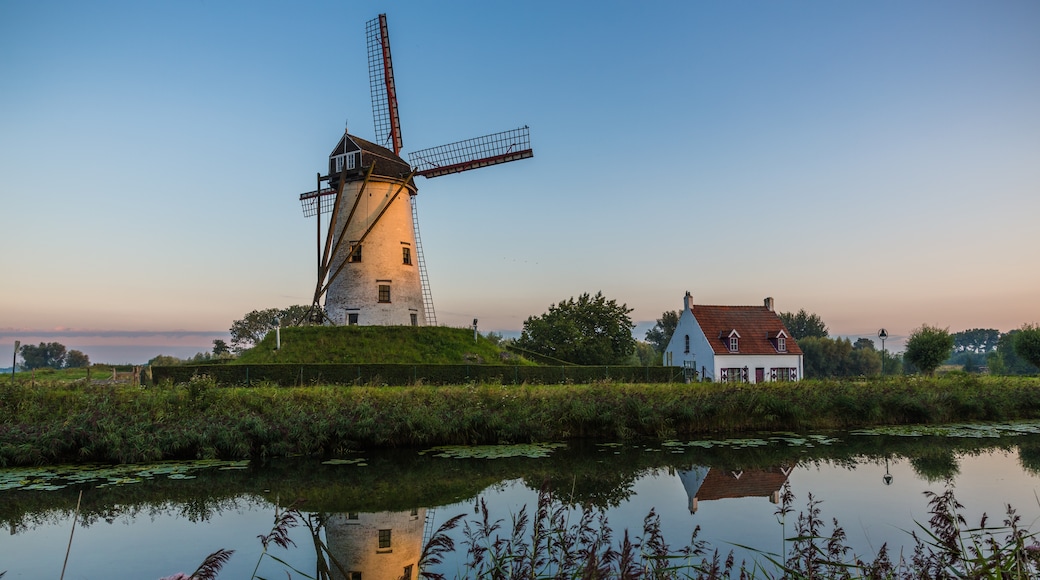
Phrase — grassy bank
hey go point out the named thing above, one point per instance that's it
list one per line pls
(79, 422)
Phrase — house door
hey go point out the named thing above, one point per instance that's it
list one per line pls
(760, 375)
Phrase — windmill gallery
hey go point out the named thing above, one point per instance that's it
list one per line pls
(371, 269)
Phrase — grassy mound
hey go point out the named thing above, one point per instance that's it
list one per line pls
(377, 344)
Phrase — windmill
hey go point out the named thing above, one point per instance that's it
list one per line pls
(371, 269)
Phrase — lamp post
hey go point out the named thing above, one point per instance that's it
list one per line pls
(278, 334)
(887, 478)
(882, 334)
(474, 330)
(14, 361)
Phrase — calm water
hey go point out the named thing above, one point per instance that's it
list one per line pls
(154, 521)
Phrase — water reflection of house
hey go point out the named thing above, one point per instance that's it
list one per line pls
(376, 545)
(712, 483)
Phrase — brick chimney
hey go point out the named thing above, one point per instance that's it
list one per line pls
(687, 301)
(769, 304)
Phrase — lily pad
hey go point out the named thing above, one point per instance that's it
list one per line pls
(532, 450)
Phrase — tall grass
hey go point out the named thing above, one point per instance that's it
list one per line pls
(48, 423)
(556, 543)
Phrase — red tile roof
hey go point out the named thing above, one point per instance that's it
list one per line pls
(721, 484)
(756, 325)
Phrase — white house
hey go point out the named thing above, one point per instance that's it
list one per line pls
(745, 344)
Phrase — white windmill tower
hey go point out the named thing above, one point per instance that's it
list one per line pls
(370, 268)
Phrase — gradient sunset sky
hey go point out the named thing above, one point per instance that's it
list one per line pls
(877, 163)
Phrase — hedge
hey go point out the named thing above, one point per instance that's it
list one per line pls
(288, 375)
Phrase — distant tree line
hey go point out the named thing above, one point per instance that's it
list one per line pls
(51, 355)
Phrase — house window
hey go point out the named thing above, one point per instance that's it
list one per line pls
(384, 293)
(355, 254)
(733, 344)
(783, 374)
(415, 319)
(352, 319)
(734, 375)
(384, 539)
(687, 349)
(407, 256)
(781, 344)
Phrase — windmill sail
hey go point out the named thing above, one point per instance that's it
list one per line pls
(381, 85)
(473, 153)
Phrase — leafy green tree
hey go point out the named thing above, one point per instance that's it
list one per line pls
(252, 328)
(1027, 343)
(892, 364)
(646, 355)
(927, 347)
(46, 355)
(76, 360)
(662, 331)
(976, 340)
(804, 325)
(1005, 361)
(220, 348)
(863, 343)
(588, 331)
(863, 362)
(164, 360)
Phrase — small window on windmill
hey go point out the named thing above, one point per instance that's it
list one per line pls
(384, 293)
(355, 252)
(407, 256)
(345, 161)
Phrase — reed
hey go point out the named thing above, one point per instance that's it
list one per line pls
(555, 543)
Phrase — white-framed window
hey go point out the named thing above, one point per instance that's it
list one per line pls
(781, 344)
(345, 161)
(733, 344)
(783, 374)
(734, 375)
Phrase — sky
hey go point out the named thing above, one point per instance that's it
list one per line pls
(877, 163)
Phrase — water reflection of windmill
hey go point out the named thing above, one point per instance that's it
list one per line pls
(371, 268)
(712, 483)
(376, 545)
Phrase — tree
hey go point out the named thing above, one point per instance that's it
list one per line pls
(646, 355)
(48, 354)
(1027, 343)
(662, 331)
(863, 343)
(804, 325)
(927, 347)
(252, 328)
(164, 360)
(588, 331)
(76, 360)
(976, 340)
(220, 348)
(1006, 361)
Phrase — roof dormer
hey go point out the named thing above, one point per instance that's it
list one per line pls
(731, 339)
(778, 339)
